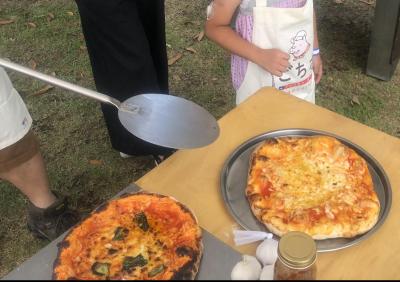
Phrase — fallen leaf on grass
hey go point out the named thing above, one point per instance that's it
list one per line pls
(42, 91)
(96, 162)
(355, 100)
(191, 22)
(50, 17)
(191, 50)
(83, 48)
(33, 64)
(174, 59)
(31, 24)
(199, 36)
(368, 2)
(4, 22)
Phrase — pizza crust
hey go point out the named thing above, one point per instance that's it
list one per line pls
(282, 211)
(190, 251)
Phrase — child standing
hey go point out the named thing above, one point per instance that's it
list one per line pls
(274, 43)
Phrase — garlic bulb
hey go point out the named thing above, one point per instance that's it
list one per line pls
(267, 252)
(267, 272)
(247, 269)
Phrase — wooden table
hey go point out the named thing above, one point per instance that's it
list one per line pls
(192, 176)
(384, 51)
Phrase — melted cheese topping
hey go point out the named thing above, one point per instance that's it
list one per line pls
(307, 184)
(169, 240)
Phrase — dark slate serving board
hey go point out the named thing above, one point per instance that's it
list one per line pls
(216, 264)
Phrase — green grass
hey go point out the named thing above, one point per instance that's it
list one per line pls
(344, 31)
(71, 129)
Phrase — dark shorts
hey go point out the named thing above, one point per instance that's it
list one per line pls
(18, 153)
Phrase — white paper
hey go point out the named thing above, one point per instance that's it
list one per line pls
(243, 237)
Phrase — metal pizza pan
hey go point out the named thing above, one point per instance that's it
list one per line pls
(234, 177)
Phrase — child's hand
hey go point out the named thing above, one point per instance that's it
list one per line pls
(274, 61)
(317, 67)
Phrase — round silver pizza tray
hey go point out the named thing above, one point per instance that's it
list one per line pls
(234, 179)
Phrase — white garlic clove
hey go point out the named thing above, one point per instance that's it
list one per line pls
(267, 272)
(247, 269)
(267, 252)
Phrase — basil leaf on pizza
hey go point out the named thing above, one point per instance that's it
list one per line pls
(137, 237)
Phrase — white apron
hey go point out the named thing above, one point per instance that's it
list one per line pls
(290, 30)
(15, 120)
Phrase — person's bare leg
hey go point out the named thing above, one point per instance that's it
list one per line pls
(31, 178)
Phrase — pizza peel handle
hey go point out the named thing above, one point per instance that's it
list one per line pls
(164, 120)
(60, 83)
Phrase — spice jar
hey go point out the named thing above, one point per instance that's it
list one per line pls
(297, 253)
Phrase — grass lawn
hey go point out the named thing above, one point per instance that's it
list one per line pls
(74, 141)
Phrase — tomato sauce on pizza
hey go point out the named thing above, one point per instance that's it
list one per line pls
(140, 236)
(314, 184)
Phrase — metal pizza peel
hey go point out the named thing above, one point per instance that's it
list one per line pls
(160, 119)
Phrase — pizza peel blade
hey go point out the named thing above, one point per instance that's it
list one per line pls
(168, 121)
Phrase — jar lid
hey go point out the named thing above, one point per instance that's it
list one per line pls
(297, 250)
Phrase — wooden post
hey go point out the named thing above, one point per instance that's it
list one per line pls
(385, 40)
(396, 47)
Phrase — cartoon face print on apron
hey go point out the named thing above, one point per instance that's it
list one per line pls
(15, 120)
(290, 30)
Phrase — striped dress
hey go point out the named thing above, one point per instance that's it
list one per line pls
(244, 27)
